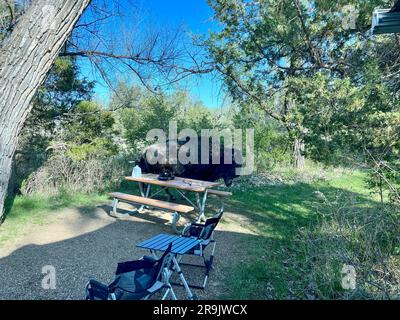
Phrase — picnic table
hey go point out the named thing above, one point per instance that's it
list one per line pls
(199, 187)
(181, 185)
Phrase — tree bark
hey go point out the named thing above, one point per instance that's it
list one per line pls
(298, 153)
(25, 58)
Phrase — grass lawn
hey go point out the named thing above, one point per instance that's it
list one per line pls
(276, 214)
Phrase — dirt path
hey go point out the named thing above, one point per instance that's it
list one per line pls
(87, 243)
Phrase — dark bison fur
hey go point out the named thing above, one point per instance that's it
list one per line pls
(206, 172)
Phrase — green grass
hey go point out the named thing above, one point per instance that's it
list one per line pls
(26, 210)
(276, 213)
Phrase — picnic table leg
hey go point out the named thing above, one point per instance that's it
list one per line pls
(114, 206)
(175, 218)
(201, 204)
(145, 192)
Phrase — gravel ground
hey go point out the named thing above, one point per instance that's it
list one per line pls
(87, 243)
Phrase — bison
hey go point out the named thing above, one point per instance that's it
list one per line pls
(207, 172)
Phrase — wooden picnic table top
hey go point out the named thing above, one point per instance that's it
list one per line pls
(177, 183)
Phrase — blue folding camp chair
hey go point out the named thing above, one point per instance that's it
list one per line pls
(136, 280)
(205, 233)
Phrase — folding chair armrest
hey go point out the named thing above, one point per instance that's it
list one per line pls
(200, 225)
(158, 285)
(134, 265)
(186, 228)
(189, 225)
(96, 290)
(189, 229)
(148, 258)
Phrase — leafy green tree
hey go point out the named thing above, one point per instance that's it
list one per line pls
(58, 97)
(90, 132)
(140, 111)
(327, 110)
(263, 45)
(270, 141)
(354, 122)
(196, 116)
(53, 105)
(378, 129)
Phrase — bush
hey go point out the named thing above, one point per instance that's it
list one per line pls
(62, 172)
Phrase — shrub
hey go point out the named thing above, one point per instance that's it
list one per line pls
(63, 172)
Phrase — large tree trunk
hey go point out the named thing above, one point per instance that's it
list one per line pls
(298, 153)
(25, 58)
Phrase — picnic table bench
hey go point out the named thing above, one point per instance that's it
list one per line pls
(175, 208)
(219, 193)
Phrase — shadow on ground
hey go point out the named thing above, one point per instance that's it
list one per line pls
(95, 254)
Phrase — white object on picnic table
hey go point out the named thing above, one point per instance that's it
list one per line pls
(137, 172)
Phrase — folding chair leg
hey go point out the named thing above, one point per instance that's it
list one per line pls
(205, 281)
(189, 293)
(171, 292)
(208, 264)
(165, 294)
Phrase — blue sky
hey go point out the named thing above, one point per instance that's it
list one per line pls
(195, 17)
